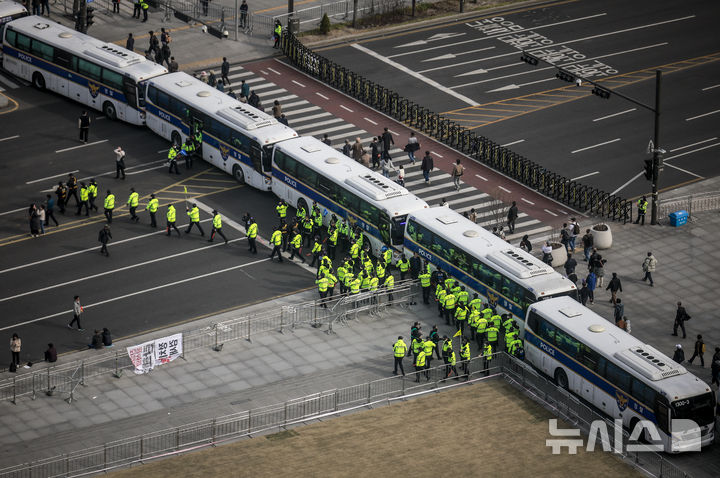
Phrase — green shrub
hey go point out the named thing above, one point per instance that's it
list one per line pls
(325, 25)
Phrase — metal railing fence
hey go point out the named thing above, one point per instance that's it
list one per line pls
(318, 313)
(572, 193)
(112, 455)
(700, 202)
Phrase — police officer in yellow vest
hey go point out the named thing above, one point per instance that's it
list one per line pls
(172, 157)
(277, 32)
(296, 246)
(152, 207)
(252, 233)
(84, 197)
(465, 355)
(425, 284)
(171, 216)
(276, 241)
(194, 214)
(144, 5)
(642, 206)
(133, 201)
(399, 350)
(450, 301)
(93, 190)
(492, 334)
(487, 354)
(217, 227)
(421, 366)
(109, 206)
(322, 283)
(281, 209)
(428, 346)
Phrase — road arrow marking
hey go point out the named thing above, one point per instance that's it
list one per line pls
(436, 37)
(450, 56)
(515, 87)
(482, 70)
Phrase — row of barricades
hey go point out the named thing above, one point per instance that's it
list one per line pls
(578, 196)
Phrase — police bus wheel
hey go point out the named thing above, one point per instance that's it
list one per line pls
(38, 81)
(561, 378)
(109, 111)
(238, 174)
(303, 204)
(175, 139)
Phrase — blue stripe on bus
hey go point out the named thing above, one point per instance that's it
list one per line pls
(207, 138)
(67, 75)
(328, 203)
(466, 278)
(622, 399)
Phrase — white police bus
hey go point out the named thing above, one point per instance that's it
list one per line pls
(617, 373)
(306, 170)
(237, 138)
(505, 276)
(10, 11)
(101, 75)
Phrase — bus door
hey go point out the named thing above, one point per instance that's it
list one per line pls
(385, 227)
(130, 90)
(196, 124)
(256, 157)
(68, 62)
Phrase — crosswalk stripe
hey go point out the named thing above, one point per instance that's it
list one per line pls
(300, 103)
(306, 118)
(319, 123)
(275, 92)
(302, 110)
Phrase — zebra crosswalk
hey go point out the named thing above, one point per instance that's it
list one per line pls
(311, 120)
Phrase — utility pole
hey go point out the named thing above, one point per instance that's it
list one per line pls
(656, 151)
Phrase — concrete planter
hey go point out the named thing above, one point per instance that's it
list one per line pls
(559, 254)
(602, 236)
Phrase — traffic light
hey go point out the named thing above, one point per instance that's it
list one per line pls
(89, 17)
(565, 76)
(529, 59)
(601, 92)
(649, 169)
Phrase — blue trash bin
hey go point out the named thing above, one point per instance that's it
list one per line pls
(678, 218)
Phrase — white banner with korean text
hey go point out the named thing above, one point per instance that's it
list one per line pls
(148, 355)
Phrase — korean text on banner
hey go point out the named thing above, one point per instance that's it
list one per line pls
(148, 355)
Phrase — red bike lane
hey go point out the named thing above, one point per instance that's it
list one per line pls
(481, 177)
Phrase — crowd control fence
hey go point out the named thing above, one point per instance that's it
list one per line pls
(701, 202)
(580, 197)
(328, 313)
(272, 418)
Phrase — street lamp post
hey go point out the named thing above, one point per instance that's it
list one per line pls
(604, 92)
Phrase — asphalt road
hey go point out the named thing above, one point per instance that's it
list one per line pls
(471, 71)
(149, 280)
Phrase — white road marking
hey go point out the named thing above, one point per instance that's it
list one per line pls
(111, 172)
(529, 202)
(50, 177)
(490, 37)
(627, 183)
(478, 176)
(298, 83)
(450, 56)
(140, 292)
(81, 146)
(321, 95)
(9, 138)
(437, 154)
(393, 132)
(513, 86)
(370, 121)
(615, 114)
(146, 170)
(504, 189)
(683, 170)
(562, 212)
(585, 175)
(694, 144)
(702, 115)
(264, 72)
(550, 212)
(514, 142)
(346, 108)
(274, 71)
(436, 37)
(163, 151)
(13, 211)
(692, 151)
(100, 117)
(711, 87)
(483, 70)
(418, 76)
(595, 145)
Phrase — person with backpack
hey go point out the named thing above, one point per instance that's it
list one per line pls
(681, 316)
(699, 351)
(457, 171)
(574, 232)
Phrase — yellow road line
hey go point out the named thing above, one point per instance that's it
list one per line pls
(13, 102)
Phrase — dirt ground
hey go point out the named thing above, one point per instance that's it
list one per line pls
(487, 428)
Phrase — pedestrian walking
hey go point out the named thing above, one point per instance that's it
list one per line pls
(591, 281)
(34, 220)
(61, 193)
(172, 159)
(84, 200)
(412, 146)
(119, 163)
(387, 141)
(130, 42)
(681, 316)
(152, 207)
(252, 232)
(194, 215)
(614, 286)
(648, 267)
(642, 206)
(77, 312)
(276, 109)
(699, 351)
(15, 347)
(171, 216)
(50, 210)
(132, 203)
(618, 311)
(243, 14)
(457, 171)
(104, 237)
(472, 215)
(512, 216)
(109, 206)
(375, 152)
(72, 185)
(715, 367)
(173, 66)
(400, 349)
(387, 166)
(570, 265)
(584, 293)
(254, 100)
(244, 89)
(565, 237)
(588, 242)
(166, 54)
(525, 244)
(84, 126)
(217, 227)
(357, 150)
(225, 71)
(296, 247)
(679, 355)
(574, 230)
(116, 6)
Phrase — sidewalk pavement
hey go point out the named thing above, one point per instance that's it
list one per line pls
(275, 367)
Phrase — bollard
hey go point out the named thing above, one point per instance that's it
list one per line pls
(118, 372)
